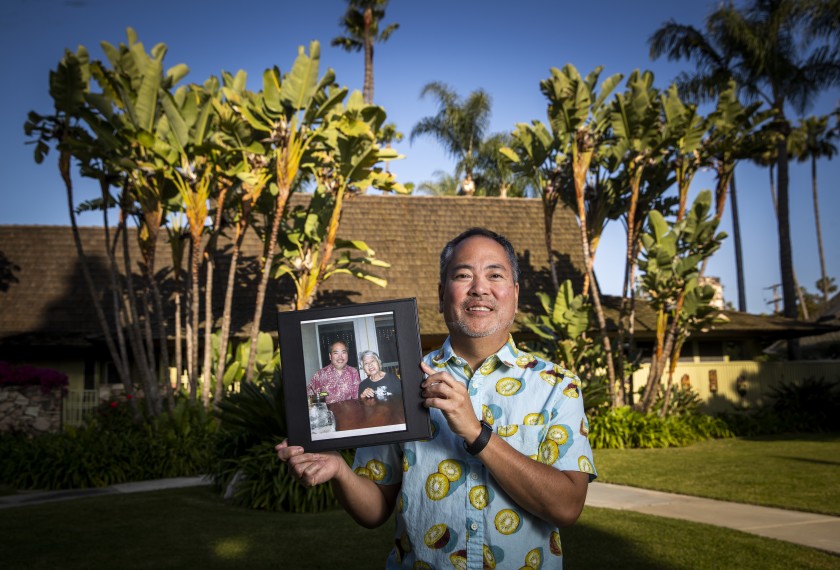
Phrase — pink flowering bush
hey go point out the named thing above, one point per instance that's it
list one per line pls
(27, 375)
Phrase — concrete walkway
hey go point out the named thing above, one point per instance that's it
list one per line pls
(808, 529)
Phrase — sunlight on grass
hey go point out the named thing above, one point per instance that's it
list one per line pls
(232, 548)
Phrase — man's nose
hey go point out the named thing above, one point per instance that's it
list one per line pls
(479, 286)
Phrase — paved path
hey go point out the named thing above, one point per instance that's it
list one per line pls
(807, 529)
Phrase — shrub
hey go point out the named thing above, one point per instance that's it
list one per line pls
(626, 428)
(111, 448)
(247, 470)
(806, 407)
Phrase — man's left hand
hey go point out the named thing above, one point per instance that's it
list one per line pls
(442, 391)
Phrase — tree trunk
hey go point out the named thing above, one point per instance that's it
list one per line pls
(549, 205)
(120, 362)
(368, 19)
(799, 295)
(224, 336)
(280, 206)
(580, 165)
(135, 334)
(736, 236)
(819, 229)
(208, 327)
(785, 247)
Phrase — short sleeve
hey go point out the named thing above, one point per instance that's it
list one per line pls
(382, 464)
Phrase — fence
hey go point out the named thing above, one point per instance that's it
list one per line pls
(743, 383)
(77, 404)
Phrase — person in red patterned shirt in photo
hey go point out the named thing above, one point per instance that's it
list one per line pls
(339, 381)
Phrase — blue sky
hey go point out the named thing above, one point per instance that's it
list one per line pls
(505, 48)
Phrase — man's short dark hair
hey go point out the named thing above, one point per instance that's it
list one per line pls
(335, 342)
(449, 249)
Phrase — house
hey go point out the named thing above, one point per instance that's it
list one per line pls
(47, 318)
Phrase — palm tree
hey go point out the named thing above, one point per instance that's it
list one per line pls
(444, 185)
(361, 22)
(495, 175)
(811, 141)
(459, 126)
(772, 49)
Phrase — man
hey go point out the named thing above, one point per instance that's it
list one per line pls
(339, 381)
(476, 494)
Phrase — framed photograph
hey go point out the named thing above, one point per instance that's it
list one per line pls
(351, 375)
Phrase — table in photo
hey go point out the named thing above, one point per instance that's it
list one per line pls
(367, 413)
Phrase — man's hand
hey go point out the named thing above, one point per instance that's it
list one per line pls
(368, 393)
(442, 391)
(310, 468)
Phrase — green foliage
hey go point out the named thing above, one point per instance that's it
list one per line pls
(565, 336)
(682, 402)
(111, 448)
(247, 469)
(809, 406)
(624, 427)
(267, 360)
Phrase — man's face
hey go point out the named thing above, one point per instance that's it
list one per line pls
(338, 355)
(479, 297)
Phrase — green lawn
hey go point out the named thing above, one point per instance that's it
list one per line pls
(800, 472)
(193, 528)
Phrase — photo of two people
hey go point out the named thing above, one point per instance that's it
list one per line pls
(353, 371)
(351, 375)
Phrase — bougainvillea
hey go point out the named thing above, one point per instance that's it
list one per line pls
(27, 375)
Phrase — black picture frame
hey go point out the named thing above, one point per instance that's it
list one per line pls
(390, 328)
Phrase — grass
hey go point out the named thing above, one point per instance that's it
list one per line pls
(193, 528)
(188, 528)
(798, 472)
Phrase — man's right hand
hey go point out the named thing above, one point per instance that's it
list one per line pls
(310, 468)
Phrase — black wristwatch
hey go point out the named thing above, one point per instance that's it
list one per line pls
(481, 441)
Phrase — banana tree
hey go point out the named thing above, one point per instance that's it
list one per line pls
(670, 270)
(563, 331)
(579, 120)
(69, 87)
(685, 127)
(343, 160)
(287, 113)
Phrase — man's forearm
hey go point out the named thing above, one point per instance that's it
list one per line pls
(369, 504)
(554, 496)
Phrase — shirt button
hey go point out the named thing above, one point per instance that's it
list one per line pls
(474, 526)
(474, 476)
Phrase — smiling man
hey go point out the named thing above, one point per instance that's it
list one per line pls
(508, 462)
(339, 381)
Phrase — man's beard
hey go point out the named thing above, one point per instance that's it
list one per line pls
(462, 326)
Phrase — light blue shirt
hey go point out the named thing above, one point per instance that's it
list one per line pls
(450, 511)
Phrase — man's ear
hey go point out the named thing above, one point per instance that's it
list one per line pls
(516, 298)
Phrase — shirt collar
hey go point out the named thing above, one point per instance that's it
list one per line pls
(507, 354)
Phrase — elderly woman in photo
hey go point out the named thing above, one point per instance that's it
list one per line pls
(379, 383)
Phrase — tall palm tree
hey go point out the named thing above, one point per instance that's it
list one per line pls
(444, 185)
(361, 22)
(783, 52)
(459, 126)
(811, 141)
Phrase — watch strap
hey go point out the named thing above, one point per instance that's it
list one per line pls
(481, 441)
